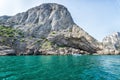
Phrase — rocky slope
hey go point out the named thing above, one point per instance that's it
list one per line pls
(47, 29)
(112, 41)
(111, 44)
(5, 50)
(3, 19)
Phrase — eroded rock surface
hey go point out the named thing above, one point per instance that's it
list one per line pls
(49, 29)
(5, 50)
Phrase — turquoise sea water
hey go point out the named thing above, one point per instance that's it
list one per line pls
(60, 67)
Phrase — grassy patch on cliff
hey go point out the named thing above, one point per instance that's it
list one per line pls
(9, 35)
(10, 32)
(46, 45)
(7, 31)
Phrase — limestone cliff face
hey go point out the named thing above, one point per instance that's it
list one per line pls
(49, 29)
(5, 50)
(3, 19)
(112, 41)
(41, 20)
(111, 44)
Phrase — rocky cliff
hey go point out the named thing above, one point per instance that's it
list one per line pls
(3, 19)
(111, 44)
(112, 41)
(46, 29)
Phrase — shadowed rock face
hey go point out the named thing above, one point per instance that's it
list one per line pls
(3, 19)
(49, 28)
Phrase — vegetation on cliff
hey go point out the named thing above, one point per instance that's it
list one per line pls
(45, 28)
(7, 31)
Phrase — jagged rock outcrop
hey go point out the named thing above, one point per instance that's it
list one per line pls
(112, 41)
(111, 44)
(3, 19)
(49, 29)
(5, 50)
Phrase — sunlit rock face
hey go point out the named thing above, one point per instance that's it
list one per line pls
(40, 20)
(111, 44)
(49, 29)
(112, 41)
(5, 50)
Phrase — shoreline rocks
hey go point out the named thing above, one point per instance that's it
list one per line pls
(5, 50)
(46, 29)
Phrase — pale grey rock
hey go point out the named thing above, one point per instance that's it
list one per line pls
(108, 52)
(111, 44)
(3, 19)
(77, 38)
(50, 24)
(62, 51)
(112, 41)
(40, 20)
(5, 50)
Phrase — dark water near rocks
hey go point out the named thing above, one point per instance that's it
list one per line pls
(60, 67)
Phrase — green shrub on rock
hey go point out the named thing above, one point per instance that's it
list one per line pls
(7, 31)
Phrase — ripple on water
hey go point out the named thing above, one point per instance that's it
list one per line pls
(60, 68)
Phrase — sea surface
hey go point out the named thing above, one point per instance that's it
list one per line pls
(85, 67)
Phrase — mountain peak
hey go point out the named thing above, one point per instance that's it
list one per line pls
(47, 6)
(47, 27)
(55, 15)
(116, 33)
(112, 41)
